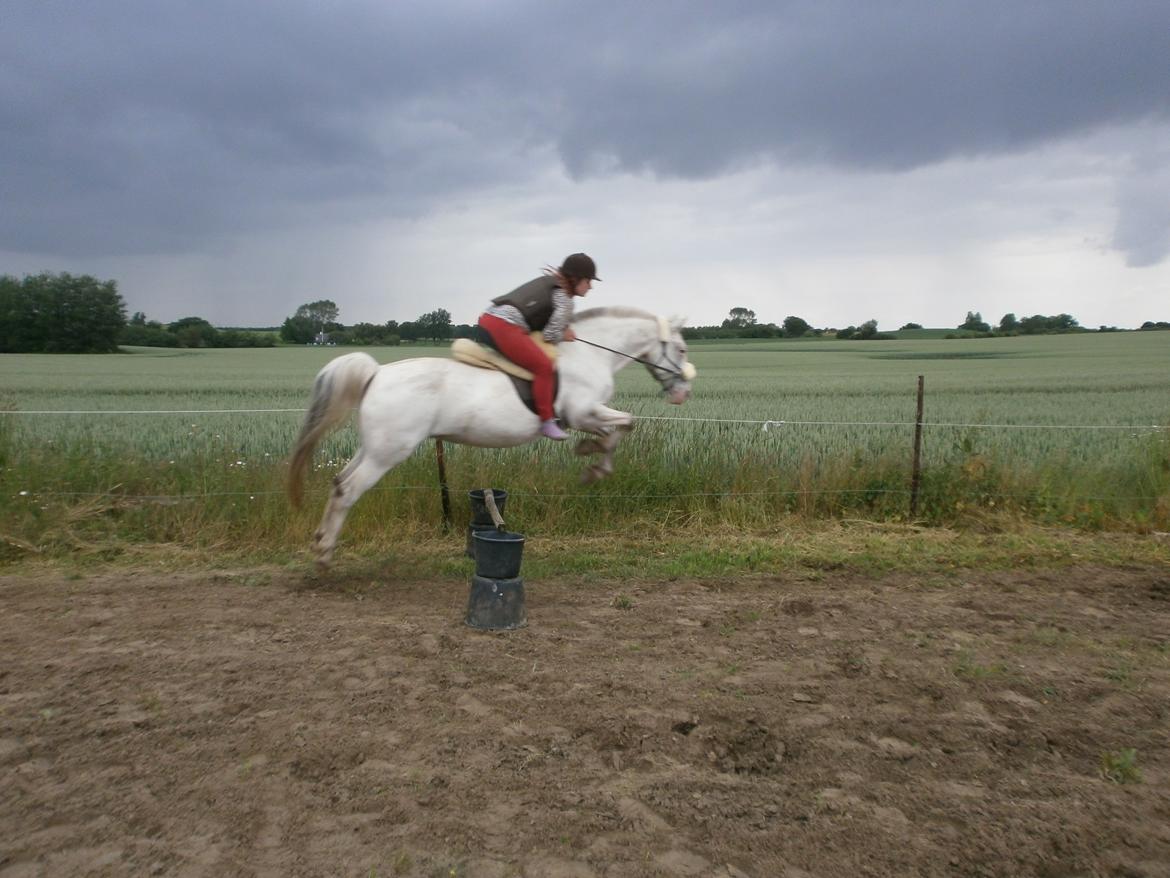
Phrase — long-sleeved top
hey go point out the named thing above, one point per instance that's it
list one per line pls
(558, 321)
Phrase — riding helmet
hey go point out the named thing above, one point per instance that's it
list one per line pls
(580, 266)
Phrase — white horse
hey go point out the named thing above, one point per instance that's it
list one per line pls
(401, 404)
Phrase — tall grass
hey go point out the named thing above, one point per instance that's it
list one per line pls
(839, 444)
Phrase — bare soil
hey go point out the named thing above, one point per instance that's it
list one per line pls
(264, 723)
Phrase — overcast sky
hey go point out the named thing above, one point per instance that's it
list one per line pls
(838, 161)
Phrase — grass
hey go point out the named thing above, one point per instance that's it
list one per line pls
(792, 547)
(967, 667)
(826, 437)
(1120, 766)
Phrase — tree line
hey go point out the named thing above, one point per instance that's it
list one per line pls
(1037, 324)
(79, 314)
(64, 313)
(742, 323)
(190, 332)
(316, 323)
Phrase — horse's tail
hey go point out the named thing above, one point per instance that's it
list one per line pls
(340, 385)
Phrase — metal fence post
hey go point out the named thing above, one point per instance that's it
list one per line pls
(443, 491)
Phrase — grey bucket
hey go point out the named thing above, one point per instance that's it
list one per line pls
(496, 603)
(479, 510)
(497, 553)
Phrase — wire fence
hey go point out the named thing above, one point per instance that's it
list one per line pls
(764, 423)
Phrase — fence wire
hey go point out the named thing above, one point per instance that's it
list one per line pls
(592, 498)
(765, 423)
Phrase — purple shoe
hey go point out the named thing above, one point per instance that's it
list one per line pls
(550, 430)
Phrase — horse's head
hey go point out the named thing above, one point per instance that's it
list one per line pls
(667, 361)
(636, 335)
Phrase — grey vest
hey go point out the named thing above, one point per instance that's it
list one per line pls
(534, 300)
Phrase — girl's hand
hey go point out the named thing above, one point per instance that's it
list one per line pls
(569, 335)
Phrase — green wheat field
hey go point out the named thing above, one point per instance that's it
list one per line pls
(1066, 430)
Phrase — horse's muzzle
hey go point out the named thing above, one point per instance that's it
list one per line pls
(678, 394)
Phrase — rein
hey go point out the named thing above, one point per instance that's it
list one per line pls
(678, 372)
(672, 371)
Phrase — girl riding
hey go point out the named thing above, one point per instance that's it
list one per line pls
(544, 304)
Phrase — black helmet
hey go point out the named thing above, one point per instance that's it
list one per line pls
(580, 266)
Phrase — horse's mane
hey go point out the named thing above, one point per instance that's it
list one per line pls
(614, 311)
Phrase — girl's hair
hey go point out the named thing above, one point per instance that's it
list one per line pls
(566, 282)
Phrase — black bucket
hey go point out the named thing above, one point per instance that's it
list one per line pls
(497, 553)
(496, 603)
(473, 529)
(479, 510)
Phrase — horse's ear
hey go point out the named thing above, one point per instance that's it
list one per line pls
(677, 322)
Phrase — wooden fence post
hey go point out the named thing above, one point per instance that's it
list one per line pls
(916, 472)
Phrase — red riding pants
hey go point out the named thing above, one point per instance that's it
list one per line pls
(514, 343)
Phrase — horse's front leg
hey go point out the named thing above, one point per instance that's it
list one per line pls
(609, 426)
(600, 445)
(604, 467)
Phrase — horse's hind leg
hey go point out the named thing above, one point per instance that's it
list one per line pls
(359, 476)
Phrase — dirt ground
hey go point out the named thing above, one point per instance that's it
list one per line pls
(818, 724)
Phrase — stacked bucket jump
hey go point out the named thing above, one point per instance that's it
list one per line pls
(496, 600)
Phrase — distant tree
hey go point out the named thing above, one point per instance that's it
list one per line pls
(739, 318)
(1151, 325)
(362, 334)
(309, 320)
(194, 332)
(435, 324)
(298, 330)
(409, 331)
(1009, 323)
(60, 313)
(758, 330)
(20, 317)
(867, 330)
(1038, 324)
(1034, 325)
(912, 326)
(240, 338)
(974, 323)
(795, 327)
(147, 333)
(319, 313)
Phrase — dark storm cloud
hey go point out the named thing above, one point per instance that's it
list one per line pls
(135, 127)
(870, 85)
